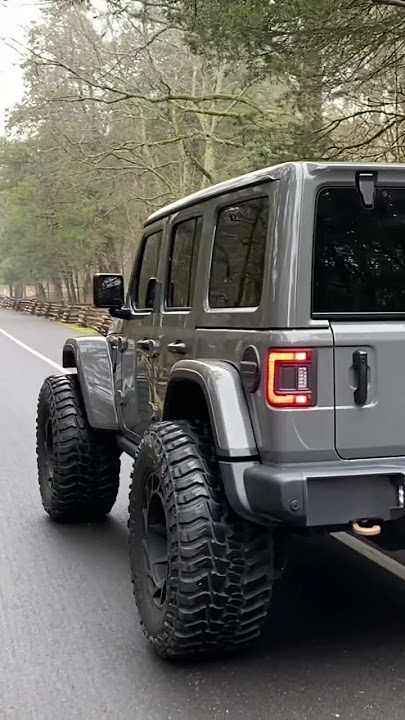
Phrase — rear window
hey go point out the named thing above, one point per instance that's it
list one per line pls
(359, 262)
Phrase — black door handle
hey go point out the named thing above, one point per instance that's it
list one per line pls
(360, 366)
(177, 348)
(148, 345)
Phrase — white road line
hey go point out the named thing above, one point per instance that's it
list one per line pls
(34, 352)
(371, 553)
(386, 562)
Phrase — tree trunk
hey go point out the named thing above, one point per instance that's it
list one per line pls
(57, 290)
(68, 289)
(309, 141)
(87, 289)
(77, 285)
(72, 290)
(40, 292)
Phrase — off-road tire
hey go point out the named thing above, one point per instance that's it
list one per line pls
(85, 463)
(219, 566)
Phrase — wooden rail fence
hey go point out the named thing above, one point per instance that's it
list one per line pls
(85, 316)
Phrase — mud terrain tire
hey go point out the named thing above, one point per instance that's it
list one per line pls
(78, 467)
(202, 576)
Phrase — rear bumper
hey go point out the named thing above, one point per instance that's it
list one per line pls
(323, 495)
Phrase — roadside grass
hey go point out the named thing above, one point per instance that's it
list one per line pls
(78, 328)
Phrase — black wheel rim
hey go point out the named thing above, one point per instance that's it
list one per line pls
(49, 452)
(155, 542)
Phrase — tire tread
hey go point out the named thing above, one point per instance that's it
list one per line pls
(86, 461)
(221, 568)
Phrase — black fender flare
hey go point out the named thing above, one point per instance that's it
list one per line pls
(91, 357)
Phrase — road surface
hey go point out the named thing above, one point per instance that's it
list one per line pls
(71, 647)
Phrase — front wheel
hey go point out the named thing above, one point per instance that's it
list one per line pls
(202, 576)
(78, 467)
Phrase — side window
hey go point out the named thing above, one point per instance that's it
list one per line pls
(238, 255)
(147, 269)
(182, 265)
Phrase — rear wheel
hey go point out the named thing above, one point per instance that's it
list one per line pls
(202, 576)
(78, 467)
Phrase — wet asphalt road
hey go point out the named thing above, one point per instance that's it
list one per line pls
(70, 644)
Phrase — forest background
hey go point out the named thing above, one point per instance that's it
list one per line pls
(129, 105)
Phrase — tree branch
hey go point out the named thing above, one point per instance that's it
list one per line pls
(394, 3)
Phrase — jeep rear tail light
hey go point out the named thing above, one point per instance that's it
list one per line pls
(290, 375)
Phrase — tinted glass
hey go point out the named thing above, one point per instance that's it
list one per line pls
(108, 290)
(359, 262)
(182, 263)
(148, 267)
(238, 255)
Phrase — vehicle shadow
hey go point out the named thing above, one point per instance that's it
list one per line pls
(336, 632)
(331, 597)
(336, 598)
(335, 635)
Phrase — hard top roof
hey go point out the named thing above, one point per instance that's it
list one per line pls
(253, 178)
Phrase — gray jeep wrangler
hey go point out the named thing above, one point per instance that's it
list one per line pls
(253, 371)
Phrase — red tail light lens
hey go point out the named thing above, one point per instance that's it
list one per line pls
(289, 378)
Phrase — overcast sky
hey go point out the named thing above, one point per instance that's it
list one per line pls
(15, 16)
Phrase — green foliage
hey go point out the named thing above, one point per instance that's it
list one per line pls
(131, 106)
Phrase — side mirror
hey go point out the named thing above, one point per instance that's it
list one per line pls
(108, 291)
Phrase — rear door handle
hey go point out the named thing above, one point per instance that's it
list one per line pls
(360, 366)
(177, 348)
(148, 345)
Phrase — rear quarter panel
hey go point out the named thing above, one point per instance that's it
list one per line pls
(305, 434)
(283, 320)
